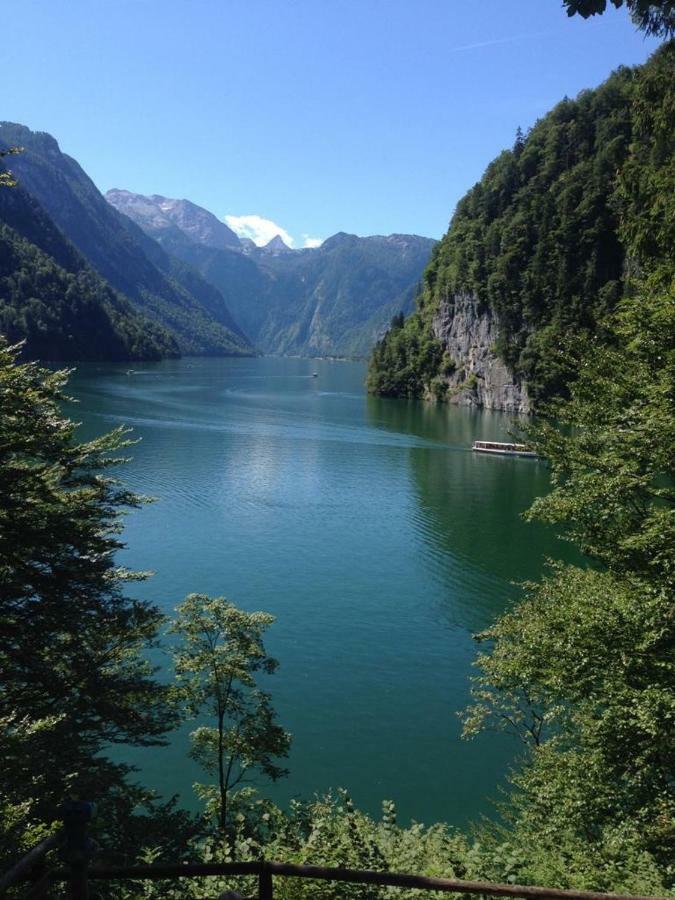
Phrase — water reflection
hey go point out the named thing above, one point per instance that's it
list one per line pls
(367, 527)
(470, 505)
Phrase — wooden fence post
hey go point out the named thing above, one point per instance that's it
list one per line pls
(265, 884)
(78, 847)
(39, 882)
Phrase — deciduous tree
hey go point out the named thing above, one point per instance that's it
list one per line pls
(218, 656)
(584, 668)
(652, 16)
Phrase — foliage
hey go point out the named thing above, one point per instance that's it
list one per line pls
(61, 315)
(545, 240)
(55, 303)
(329, 831)
(216, 660)
(405, 360)
(6, 177)
(652, 16)
(584, 667)
(21, 742)
(73, 675)
(646, 182)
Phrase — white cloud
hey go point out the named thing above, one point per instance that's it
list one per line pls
(259, 230)
(311, 242)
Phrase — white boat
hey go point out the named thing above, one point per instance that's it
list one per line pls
(502, 449)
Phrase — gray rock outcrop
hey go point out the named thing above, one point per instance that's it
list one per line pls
(475, 375)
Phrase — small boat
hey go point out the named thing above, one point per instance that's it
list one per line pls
(502, 449)
(315, 374)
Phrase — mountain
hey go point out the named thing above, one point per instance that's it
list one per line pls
(337, 299)
(537, 253)
(333, 300)
(162, 287)
(161, 216)
(276, 245)
(54, 302)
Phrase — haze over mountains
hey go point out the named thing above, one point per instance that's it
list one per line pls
(156, 283)
(332, 300)
(165, 277)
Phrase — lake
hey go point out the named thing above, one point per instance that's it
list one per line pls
(366, 526)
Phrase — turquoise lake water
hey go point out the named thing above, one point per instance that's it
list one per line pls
(366, 526)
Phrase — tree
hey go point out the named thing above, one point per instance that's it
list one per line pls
(655, 17)
(584, 668)
(519, 142)
(219, 653)
(6, 177)
(72, 651)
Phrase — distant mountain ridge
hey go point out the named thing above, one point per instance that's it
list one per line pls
(332, 300)
(172, 278)
(160, 286)
(156, 214)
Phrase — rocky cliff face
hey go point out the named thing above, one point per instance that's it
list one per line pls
(479, 378)
(161, 216)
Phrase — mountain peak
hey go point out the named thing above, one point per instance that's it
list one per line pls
(15, 134)
(157, 214)
(277, 244)
(340, 239)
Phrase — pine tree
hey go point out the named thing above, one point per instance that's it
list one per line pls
(72, 651)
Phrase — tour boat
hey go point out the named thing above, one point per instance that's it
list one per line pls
(502, 449)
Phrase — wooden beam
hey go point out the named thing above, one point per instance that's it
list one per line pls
(22, 870)
(354, 876)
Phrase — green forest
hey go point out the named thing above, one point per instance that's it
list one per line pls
(570, 238)
(54, 303)
(548, 239)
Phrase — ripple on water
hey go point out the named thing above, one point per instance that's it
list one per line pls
(369, 529)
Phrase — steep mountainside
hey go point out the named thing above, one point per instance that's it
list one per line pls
(51, 299)
(332, 300)
(162, 287)
(534, 256)
(337, 299)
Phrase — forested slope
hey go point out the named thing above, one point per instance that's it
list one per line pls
(51, 299)
(161, 287)
(535, 255)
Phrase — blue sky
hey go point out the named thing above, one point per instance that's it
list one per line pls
(368, 116)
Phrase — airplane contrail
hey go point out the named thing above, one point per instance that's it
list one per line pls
(505, 40)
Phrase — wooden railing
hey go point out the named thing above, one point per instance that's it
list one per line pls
(32, 874)
(31, 868)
